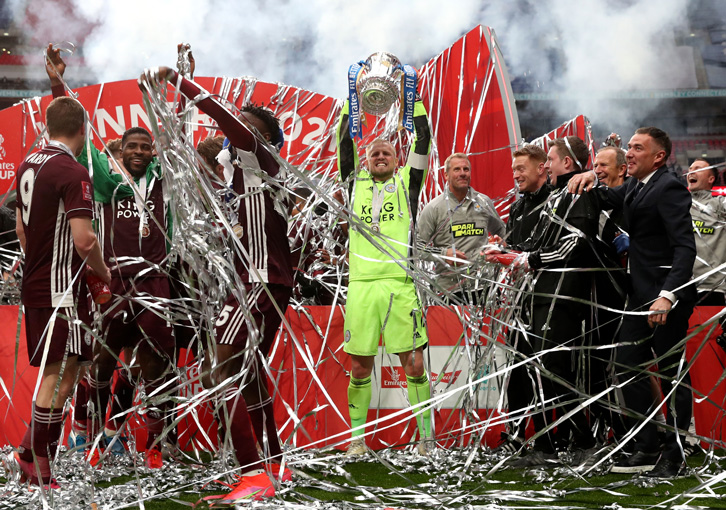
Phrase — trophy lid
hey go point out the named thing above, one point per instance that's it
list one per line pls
(383, 58)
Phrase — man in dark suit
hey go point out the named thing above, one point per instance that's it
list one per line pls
(656, 209)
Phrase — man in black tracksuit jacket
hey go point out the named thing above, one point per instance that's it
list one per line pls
(528, 167)
(561, 241)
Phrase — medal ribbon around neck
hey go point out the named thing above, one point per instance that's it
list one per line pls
(140, 201)
(379, 196)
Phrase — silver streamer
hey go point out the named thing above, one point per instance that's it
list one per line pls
(463, 472)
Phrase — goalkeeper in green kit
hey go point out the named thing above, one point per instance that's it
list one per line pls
(382, 299)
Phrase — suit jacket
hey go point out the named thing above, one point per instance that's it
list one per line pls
(662, 246)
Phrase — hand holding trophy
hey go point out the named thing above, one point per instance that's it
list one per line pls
(374, 86)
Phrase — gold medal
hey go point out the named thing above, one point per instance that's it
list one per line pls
(238, 230)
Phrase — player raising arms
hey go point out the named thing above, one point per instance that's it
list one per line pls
(135, 225)
(259, 216)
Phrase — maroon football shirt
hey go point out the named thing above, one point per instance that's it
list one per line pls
(259, 204)
(132, 240)
(52, 188)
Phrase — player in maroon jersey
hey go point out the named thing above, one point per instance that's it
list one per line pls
(55, 208)
(259, 220)
(134, 228)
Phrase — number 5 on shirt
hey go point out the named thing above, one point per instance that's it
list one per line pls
(224, 315)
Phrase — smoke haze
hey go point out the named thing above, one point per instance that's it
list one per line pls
(577, 48)
(585, 50)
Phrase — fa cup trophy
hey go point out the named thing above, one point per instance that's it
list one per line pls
(376, 84)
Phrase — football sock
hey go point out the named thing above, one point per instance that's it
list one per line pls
(123, 399)
(263, 422)
(235, 421)
(80, 407)
(420, 391)
(155, 411)
(55, 425)
(35, 440)
(99, 393)
(359, 399)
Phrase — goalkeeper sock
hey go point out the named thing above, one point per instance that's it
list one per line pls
(359, 399)
(420, 391)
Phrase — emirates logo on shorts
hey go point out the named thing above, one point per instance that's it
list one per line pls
(395, 377)
(87, 338)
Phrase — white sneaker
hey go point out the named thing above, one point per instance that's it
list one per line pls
(356, 447)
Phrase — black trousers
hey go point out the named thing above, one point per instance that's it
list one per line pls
(633, 360)
(604, 327)
(520, 388)
(555, 324)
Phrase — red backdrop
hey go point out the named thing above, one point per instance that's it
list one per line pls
(313, 412)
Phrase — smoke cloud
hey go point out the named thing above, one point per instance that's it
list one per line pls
(580, 49)
(306, 43)
(585, 50)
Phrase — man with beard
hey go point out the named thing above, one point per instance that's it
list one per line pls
(248, 322)
(134, 226)
(382, 298)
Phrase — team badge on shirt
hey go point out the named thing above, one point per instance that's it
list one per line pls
(390, 187)
(86, 190)
(347, 335)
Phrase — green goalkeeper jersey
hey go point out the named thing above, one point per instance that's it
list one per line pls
(382, 232)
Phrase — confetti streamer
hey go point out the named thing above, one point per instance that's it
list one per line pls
(466, 91)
